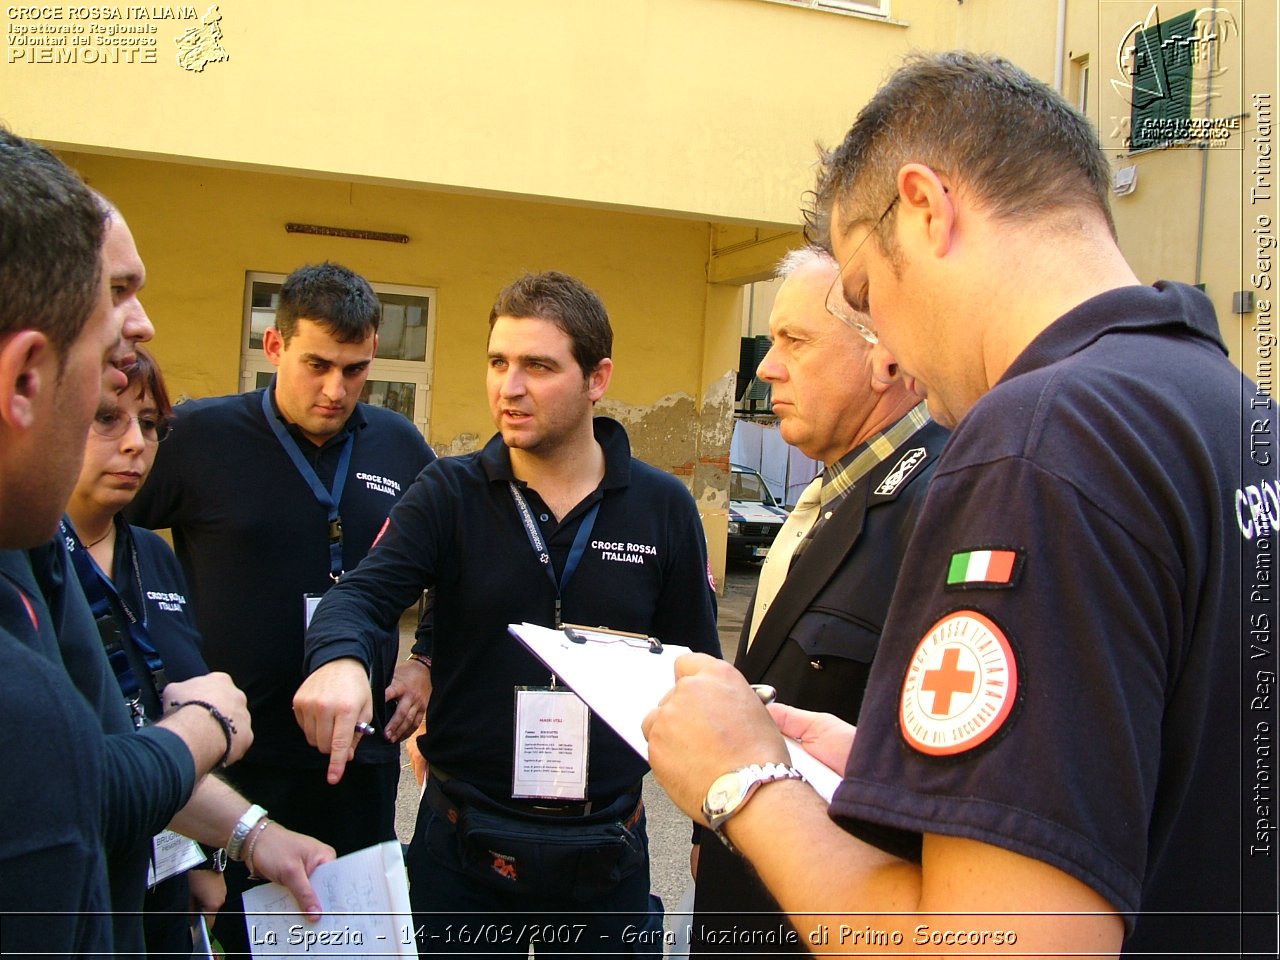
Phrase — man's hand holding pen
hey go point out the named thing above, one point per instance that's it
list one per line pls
(329, 705)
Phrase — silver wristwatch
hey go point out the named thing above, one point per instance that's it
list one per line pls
(730, 792)
(244, 826)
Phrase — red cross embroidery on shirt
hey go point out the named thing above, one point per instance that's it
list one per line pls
(947, 680)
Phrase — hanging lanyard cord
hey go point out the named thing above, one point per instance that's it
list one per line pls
(326, 498)
(540, 547)
(98, 590)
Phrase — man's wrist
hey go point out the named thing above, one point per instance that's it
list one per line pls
(224, 722)
(421, 658)
(730, 792)
(215, 861)
(258, 830)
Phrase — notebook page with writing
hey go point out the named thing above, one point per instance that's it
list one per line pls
(365, 899)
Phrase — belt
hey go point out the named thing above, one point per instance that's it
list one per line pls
(436, 798)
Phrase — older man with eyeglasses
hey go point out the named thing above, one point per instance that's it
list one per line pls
(825, 586)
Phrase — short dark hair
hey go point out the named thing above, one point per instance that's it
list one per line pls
(567, 302)
(51, 231)
(1018, 145)
(144, 374)
(338, 299)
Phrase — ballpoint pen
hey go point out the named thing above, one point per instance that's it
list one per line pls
(767, 694)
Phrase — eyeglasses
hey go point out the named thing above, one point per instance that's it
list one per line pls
(112, 425)
(838, 304)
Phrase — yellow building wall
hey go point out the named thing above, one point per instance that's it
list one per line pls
(200, 229)
(500, 136)
(660, 149)
(1024, 31)
(1190, 217)
(703, 107)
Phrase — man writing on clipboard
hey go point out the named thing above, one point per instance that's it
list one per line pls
(532, 804)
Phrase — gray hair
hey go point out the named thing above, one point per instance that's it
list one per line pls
(803, 257)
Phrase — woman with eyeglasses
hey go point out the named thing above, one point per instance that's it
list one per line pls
(140, 600)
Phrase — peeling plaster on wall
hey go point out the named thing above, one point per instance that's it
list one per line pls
(462, 443)
(711, 476)
(671, 435)
(664, 435)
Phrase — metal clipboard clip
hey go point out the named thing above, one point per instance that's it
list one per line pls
(582, 634)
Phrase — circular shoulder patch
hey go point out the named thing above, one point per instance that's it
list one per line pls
(960, 685)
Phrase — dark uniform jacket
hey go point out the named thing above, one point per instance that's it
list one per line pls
(816, 643)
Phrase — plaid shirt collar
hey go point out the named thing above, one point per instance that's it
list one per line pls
(839, 478)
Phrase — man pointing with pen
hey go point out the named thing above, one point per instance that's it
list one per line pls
(553, 521)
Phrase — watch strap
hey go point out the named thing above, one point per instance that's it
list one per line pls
(240, 833)
(754, 776)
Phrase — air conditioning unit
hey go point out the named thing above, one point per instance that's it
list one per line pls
(1125, 180)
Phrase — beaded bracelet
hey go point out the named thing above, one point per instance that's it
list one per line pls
(228, 728)
(258, 830)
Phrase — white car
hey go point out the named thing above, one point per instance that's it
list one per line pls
(755, 516)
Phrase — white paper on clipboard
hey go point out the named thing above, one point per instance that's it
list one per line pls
(621, 682)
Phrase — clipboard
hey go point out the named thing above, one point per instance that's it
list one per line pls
(622, 676)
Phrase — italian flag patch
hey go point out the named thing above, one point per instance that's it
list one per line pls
(992, 568)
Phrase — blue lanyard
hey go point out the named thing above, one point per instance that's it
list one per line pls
(327, 499)
(98, 589)
(540, 546)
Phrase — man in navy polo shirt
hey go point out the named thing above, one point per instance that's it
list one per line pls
(73, 792)
(272, 496)
(552, 522)
(1049, 754)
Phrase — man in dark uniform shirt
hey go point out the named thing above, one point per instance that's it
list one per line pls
(70, 789)
(552, 522)
(815, 622)
(272, 495)
(1049, 753)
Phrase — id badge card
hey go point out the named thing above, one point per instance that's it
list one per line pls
(552, 734)
(172, 854)
(309, 603)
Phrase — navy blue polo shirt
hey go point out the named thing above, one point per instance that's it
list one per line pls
(155, 592)
(148, 775)
(54, 897)
(457, 529)
(1064, 678)
(253, 539)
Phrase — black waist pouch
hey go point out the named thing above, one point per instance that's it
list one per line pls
(581, 858)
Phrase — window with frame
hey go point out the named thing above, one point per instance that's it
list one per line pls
(1080, 83)
(878, 8)
(874, 8)
(400, 375)
(1162, 59)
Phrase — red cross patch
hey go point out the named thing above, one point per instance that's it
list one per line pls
(960, 686)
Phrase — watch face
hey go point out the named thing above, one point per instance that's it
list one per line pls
(725, 794)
